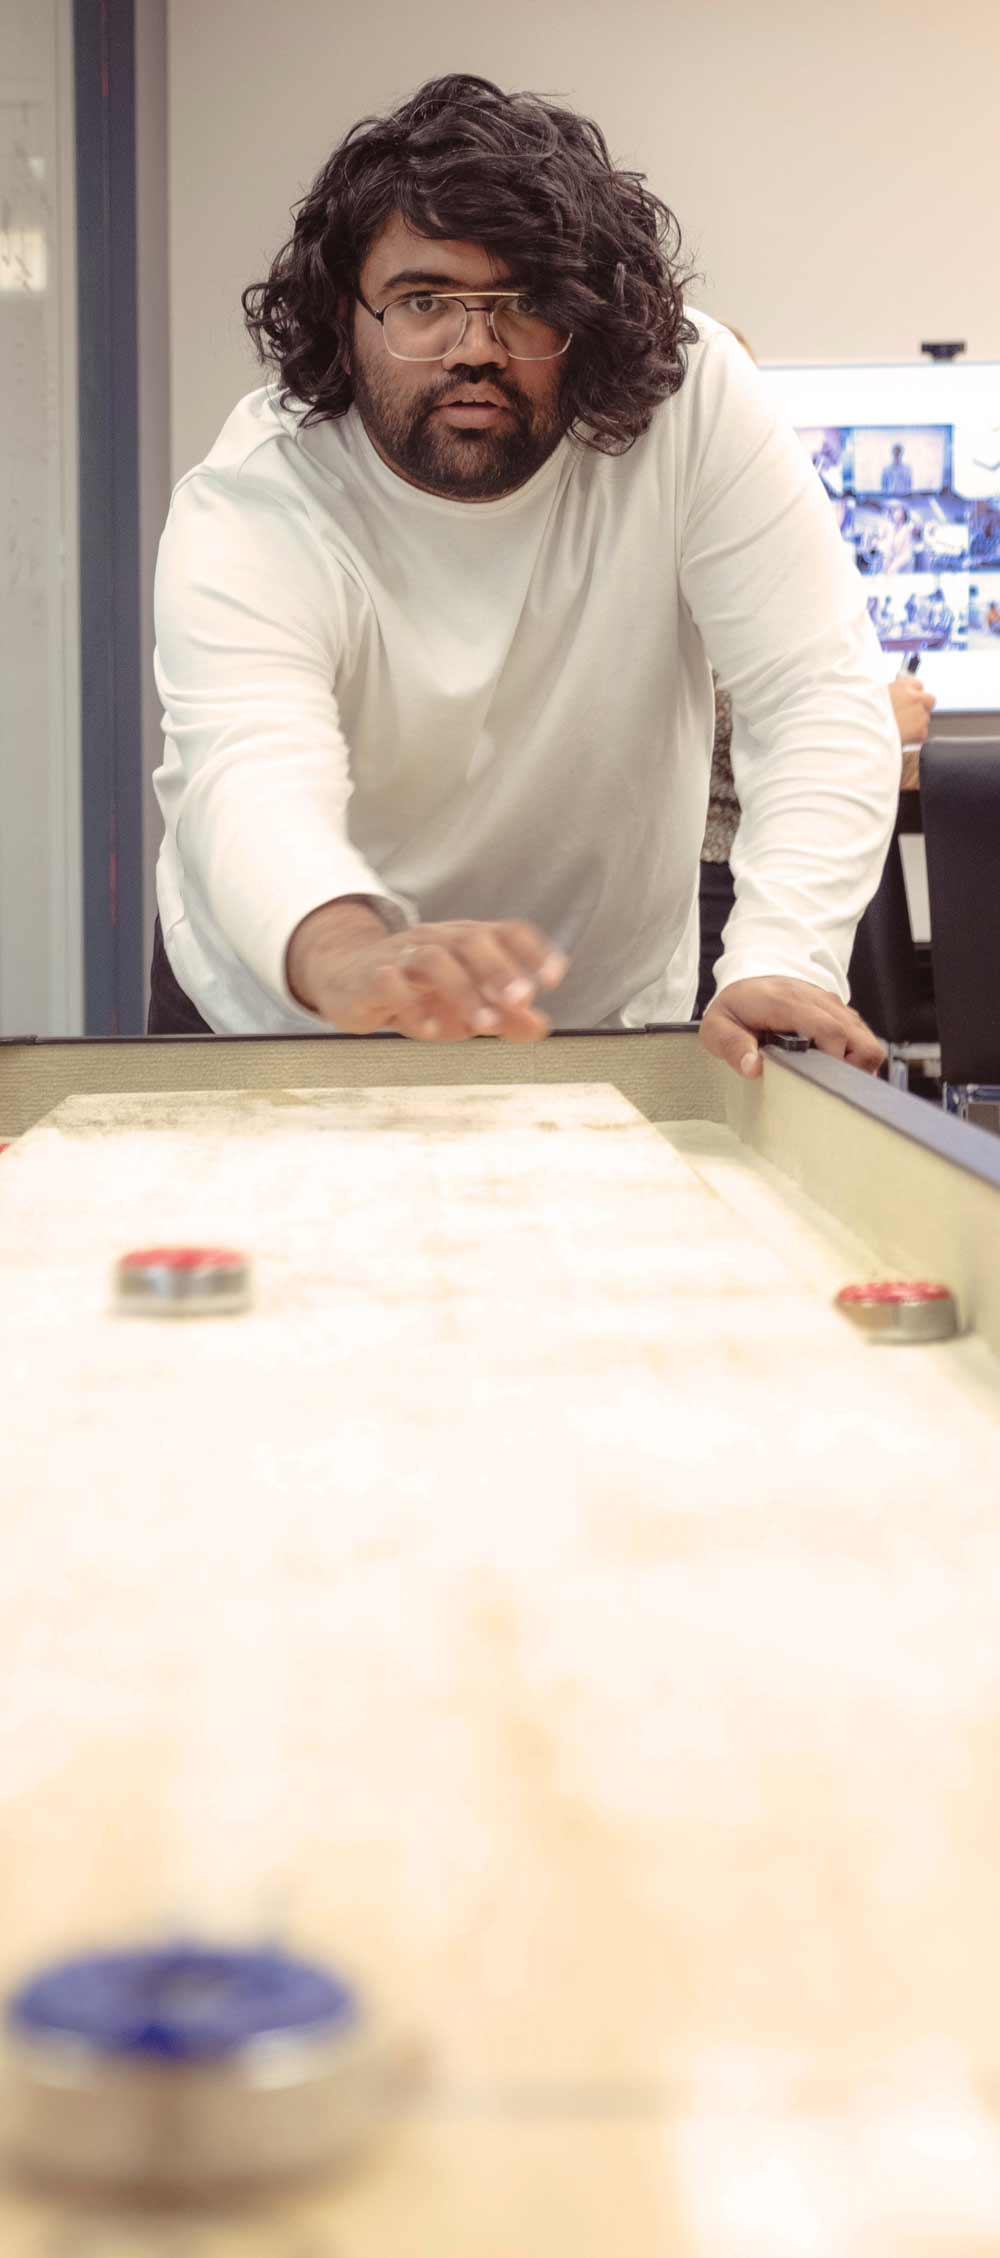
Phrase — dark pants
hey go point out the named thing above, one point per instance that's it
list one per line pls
(716, 895)
(171, 1012)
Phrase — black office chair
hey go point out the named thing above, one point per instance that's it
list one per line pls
(890, 976)
(960, 794)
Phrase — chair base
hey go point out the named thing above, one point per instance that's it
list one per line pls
(902, 1057)
(978, 1102)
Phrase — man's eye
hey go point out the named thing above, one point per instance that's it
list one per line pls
(423, 302)
(525, 304)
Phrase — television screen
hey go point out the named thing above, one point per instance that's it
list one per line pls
(910, 459)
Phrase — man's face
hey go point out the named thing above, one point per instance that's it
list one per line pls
(471, 457)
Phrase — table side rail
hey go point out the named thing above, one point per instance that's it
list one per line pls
(920, 1189)
(666, 1074)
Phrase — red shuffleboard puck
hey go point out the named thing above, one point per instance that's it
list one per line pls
(900, 1309)
(183, 1282)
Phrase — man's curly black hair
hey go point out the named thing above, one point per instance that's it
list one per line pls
(535, 185)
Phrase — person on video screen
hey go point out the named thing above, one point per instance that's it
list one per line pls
(898, 546)
(897, 477)
(940, 617)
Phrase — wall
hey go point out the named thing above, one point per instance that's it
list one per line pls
(831, 161)
(40, 830)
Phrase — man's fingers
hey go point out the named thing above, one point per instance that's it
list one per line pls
(842, 1033)
(445, 984)
(477, 988)
(441, 983)
(390, 1001)
(522, 1024)
(499, 976)
(533, 952)
(508, 962)
(435, 1002)
(727, 1038)
(864, 1049)
(753, 1008)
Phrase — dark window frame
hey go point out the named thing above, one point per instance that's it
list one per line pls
(108, 391)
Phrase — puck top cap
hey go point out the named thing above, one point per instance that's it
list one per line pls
(183, 1281)
(183, 2003)
(182, 1258)
(895, 1290)
(901, 1309)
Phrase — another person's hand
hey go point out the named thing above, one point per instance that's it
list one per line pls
(748, 1008)
(912, 706)
(438, 983)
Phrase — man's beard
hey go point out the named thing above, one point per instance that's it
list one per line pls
(464, 466)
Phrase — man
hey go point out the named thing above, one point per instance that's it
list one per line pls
(897, 477)
(898, 546)
(828, 459)
(436, 620)
(868, 552)
(940, 618)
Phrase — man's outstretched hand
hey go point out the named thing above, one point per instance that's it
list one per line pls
(749, 1008)
(439, 983)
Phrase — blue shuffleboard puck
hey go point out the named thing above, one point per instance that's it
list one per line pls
(180, 2070)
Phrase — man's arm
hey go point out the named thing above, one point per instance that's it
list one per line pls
(250, 619)
(783, 616)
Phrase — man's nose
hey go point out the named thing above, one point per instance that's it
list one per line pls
(479, 344)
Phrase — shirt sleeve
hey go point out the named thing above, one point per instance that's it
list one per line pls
(782, 614)
(251, 618)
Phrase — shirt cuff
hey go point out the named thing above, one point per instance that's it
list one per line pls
(263, 945)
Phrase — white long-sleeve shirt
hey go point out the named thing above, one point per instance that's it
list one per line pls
(505, 709)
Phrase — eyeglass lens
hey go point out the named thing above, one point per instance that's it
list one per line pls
(426, 328)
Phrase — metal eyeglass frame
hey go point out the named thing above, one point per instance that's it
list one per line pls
(424, 358)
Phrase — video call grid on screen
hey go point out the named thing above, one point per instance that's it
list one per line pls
(910, 459)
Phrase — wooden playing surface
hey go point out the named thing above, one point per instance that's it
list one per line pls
(544, 1606)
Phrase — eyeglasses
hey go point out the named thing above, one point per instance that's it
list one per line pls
(429, 325)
